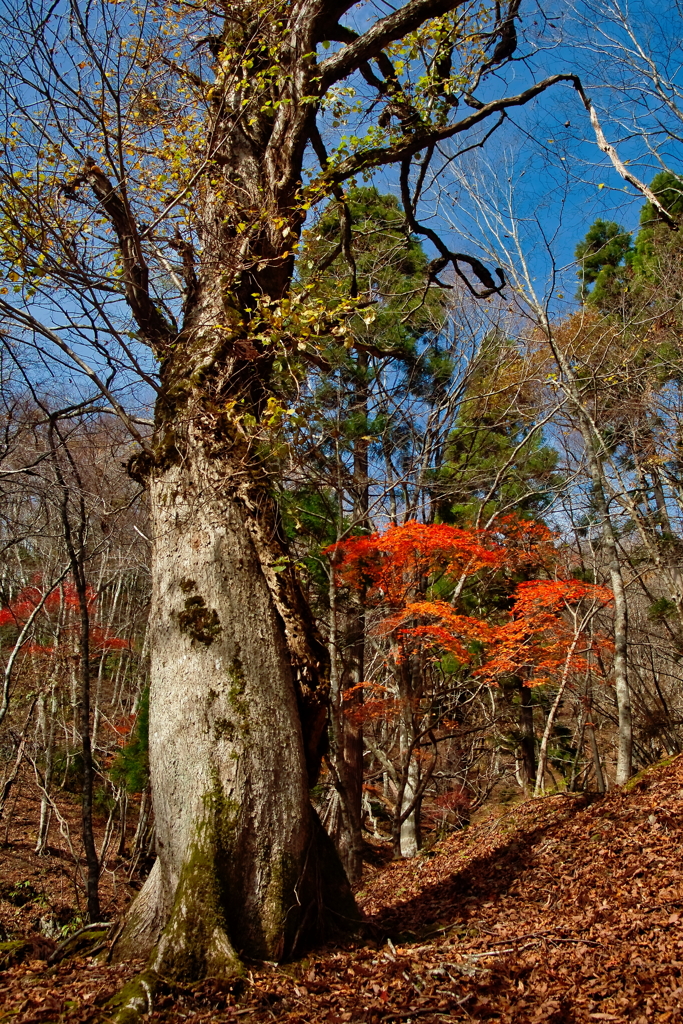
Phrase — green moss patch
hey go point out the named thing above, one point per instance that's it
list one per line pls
(642, 779)
(134, 999)
(199, 622)
(13, 952)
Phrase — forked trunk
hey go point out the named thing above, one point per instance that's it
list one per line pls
(240, 851)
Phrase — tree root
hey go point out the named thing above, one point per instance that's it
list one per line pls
(134, 999)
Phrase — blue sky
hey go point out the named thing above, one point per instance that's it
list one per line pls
(544, 161)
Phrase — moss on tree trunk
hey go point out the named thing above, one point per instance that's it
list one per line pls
(244, 867)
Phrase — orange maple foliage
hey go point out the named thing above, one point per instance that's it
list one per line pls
(527, 544)
(379, 702)
(541, 636)
(547, 626)
(392, 566)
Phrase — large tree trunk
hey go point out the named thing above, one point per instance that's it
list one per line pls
(240, 850)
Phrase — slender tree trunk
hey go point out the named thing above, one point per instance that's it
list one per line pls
(142, 830)
(581, 730)
(45, 808)
(550, 721)
(123, 815)
(348, 649)
(527, 738)
(92, 876)
(594, 447)
(599, 777)
(621, 683)
(74, 540)
(410, 839)
(351, 844)
(406, 826)
(9, 781)
(344, 824)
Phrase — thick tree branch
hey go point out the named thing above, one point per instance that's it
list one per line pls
(371, 43)
(153, 326)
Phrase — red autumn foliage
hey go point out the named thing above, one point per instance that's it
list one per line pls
(61, 606)
(392, 565)
(63, 597)
(378, 702)
(122, 727)
(399, 568)
(545, 629)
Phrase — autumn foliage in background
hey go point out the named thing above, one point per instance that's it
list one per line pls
(417, 573)
(58, 621)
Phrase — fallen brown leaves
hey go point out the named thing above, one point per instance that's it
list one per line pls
(559, 911)
(34, 887)
(74, 991)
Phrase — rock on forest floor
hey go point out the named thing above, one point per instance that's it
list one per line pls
(560, 910)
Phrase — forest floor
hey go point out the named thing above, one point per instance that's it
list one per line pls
(564, 909)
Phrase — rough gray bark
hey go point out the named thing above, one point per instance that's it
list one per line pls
(239, 867)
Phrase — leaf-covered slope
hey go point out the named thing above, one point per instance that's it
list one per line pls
(560, 910)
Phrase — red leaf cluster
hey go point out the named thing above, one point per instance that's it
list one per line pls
(391, 565)
(542, 634)
(61, 606)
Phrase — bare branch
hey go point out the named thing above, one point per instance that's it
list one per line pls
(414, 143)
(617, 163)
(29, 322)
